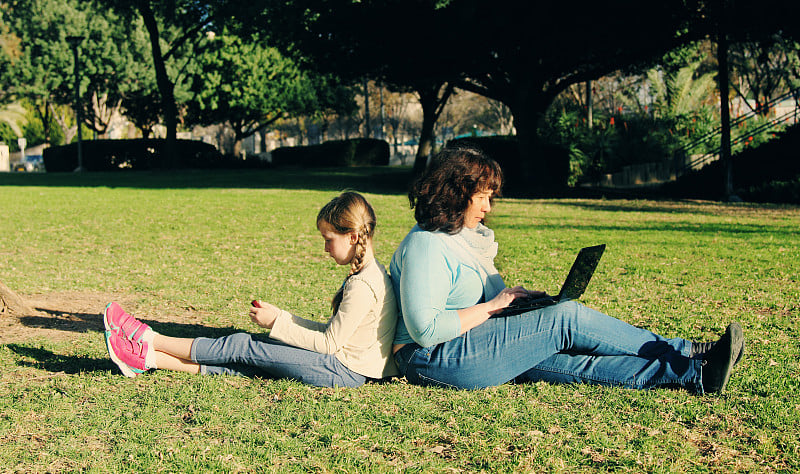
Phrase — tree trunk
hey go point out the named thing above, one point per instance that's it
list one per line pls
(432, 99)
(541, 169)
(425, 147)
(165, 86)
(725, 115)
(12, 305)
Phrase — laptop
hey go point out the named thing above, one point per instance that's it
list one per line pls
(577, 280)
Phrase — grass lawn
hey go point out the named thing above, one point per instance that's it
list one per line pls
(188, 251)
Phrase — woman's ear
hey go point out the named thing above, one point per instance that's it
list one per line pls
(353, 238)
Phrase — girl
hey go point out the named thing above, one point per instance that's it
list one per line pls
(353, 347)
(449, 288)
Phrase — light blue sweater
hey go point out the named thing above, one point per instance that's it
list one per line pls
(432, 281)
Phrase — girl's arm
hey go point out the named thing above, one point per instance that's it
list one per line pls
(357, 301)
(265, 315)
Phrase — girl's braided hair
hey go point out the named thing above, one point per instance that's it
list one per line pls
(346, 213)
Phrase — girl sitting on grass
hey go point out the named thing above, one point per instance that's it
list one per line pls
(352, 348)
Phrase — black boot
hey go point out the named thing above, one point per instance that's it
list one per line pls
(699, 350)
(720, 359)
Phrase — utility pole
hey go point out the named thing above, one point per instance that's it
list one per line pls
(589, 103)
(74, 41)
(368, 133)
(383, 115)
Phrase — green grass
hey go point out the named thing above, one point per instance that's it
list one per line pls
(203, 244)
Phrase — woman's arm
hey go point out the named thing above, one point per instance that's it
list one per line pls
(425, 279)
(476, 315)
(431, 277)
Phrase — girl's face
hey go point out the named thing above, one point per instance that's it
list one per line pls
(341, 247)
(479, 206)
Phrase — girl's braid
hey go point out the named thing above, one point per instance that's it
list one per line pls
(357, 264)
(350, 212)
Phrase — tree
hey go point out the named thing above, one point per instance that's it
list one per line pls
(679, 93)
(117, 66)
(41, 68)
(9, 50)
(522, 54)
(763, 70)
(398, 107)
(11, 117)
(166, 86)
(250, 85)
(174, 29)
(355, 40)
(470, 113)
(12, 305)
(334, 100)
(743, 20)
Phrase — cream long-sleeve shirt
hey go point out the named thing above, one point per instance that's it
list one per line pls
(360, 333)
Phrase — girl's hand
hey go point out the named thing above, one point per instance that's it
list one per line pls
(264, 315)
(505, 297)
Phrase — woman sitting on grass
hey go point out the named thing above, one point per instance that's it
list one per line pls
(449, 289)
(352, 348)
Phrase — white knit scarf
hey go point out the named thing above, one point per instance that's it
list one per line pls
(477, 248)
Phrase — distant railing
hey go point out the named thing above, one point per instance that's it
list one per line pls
(713, 155)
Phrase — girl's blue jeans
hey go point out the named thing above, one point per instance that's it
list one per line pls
(257, 355)
(563, 343)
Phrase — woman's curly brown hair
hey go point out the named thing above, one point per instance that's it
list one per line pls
(441, 195)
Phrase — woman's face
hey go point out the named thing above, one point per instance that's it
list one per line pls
(479, 206)
(341, 247)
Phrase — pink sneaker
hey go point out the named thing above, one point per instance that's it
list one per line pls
(127, 354)
(118, 321)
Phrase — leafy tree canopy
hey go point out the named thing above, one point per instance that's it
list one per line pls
(249, 85)
(42, 70)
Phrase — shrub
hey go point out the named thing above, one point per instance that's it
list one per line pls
(136, 154)
(767, 173)
(357, 152)
(781, 191)
(8, 137)
(621, 139)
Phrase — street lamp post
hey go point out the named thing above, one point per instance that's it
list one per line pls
(75, 41)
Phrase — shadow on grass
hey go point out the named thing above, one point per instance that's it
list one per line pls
(716, 228)
(383, 180)
(49, 361)
(92, 326)
(93, 322)
(666, 206)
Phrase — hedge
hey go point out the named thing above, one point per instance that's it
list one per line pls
(135, 154)
(356, 152)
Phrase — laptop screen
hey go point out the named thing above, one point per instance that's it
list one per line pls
(581, 272)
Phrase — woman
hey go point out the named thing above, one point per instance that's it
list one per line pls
(444, 275)
(353, 347)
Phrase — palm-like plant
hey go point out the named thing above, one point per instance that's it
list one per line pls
(680, 93)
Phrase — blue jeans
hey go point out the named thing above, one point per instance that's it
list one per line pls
(251, 355)
(563, 343)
